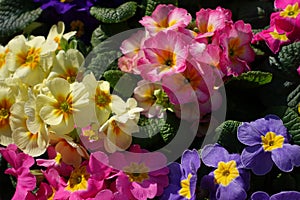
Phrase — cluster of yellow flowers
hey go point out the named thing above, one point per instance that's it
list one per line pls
(40, 98)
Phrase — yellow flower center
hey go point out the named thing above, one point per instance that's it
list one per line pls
(279, 36)
(58, 158)
(299, 108)
(4, 112)
(66, 1)
(78, 179)
(77, 26)
(136, 172)
(185, 190)
(2, 59)
(226, 172)
(102, 98)
(291, 11)
(234, 48)
(272, 141)
(31, 58)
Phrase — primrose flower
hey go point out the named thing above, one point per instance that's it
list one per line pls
(20, 164)
(30, 60)
(208, 20)
(289, 8)
(146, 95)
(31, 140)
(4, 73)
(235, 40)
(229, 179)
(285, 195)
(66, 65)
(183, 177)
(87, 179)
(166, 17)
(267, 139)
(142, 174)
(8, 97)
(56, 34)
(64, 106)
(165, 54)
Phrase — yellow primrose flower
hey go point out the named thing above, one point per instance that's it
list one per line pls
(4, 73)
(66, 65)
(56, 34)
(34, 143)
(65, 106)
(102, 102)
(7, 99)
(30, 60)
(117, 135)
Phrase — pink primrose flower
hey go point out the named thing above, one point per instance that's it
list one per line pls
(20, 164)
(143, 174)
(208, 20)
(166, 17)
(237, 53)
(165, 54)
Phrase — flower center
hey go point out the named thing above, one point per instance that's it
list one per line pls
(2, 59)
(226, 172)
(291, 11)
(31, 59)
(136, 172)
(185, 190)
(58, 158)
(78, 179)
(102, 98)
(4, 113)
(279, 36)
(272, 141)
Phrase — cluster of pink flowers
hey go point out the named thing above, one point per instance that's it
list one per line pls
(187, 63)
(136, 174)
(284, 26)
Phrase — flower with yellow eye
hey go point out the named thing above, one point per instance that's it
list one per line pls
(7, 99)
(30, 60)
(4, 73)
(65, 106)
(267, 139)
(66, 65)
(56, 34)
(229, 179)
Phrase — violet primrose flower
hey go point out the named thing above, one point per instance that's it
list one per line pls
(285, 195)
(183, 177)
(268, 141)
(229, 180)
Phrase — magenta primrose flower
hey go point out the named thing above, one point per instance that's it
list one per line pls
(285, 195)
(20, 168)
(183, 177)
(229, 179)
(267, 139)
(142, 174)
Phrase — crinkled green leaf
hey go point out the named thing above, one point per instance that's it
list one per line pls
(151, 4)
(114, 15)
(16, 15)
(227, 136)
(294, 98)
(291, 120)
(251, 79)
(98, 36)
(288, 60)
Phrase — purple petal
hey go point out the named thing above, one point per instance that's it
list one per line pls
(232, 192)
(175, 174)
(260, 196)
(257, 159)
(287, 195)
(213, 154)
(287, 157)
(190, 161)
(249, 134)
(208, 183)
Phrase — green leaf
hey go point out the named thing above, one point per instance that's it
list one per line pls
(16, 15)
(294, 98)
(227, 136)
(151, 4)
(291, 120)
(288, 60)
(251, 79)
(98, 36)
(114, 15)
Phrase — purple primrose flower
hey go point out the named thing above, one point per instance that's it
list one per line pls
(286, 195)
(267, 142)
